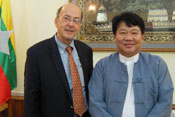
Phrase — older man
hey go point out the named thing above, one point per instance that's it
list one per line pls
(58, 70)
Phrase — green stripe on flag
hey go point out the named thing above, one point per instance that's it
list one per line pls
(8, 62)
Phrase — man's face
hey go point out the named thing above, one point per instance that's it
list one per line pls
(68, 23)
(128, 39)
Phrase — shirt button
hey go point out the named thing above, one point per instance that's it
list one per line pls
(71, 107)
(139, 80)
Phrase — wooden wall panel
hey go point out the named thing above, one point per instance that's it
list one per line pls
(16, 106)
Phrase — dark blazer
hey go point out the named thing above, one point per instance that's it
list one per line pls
(46, 89)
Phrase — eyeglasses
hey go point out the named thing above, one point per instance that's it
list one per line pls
(69, 19)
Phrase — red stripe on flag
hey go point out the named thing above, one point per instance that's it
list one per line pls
(5, 90)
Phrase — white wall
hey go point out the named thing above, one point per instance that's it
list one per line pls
(33, 20)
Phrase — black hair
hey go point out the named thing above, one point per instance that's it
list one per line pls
(131, 19)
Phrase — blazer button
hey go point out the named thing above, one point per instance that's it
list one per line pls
(71, 107)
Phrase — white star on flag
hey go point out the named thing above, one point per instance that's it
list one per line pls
(4, 37)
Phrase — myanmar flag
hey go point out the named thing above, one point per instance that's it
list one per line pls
(8, 75)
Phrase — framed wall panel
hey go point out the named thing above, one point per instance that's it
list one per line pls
(159, 17)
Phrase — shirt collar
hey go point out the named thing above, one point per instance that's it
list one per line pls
(127, 60)
(62, 46)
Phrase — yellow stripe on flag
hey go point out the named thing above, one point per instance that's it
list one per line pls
(7, 18)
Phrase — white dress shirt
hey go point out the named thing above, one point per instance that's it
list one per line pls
(129, 106)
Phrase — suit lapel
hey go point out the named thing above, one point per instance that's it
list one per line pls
(57, 63)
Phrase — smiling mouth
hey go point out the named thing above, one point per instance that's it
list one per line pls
(70, 31)
(129, 45)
